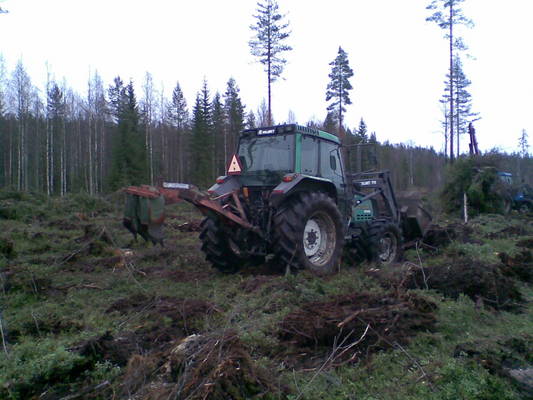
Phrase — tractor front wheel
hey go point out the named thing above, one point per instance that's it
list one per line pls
(308, 233)
(385, 240)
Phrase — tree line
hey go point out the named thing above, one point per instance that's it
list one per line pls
(60, 141)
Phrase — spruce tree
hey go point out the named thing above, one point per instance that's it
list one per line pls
(267, 44)
(202, 140)
(178, 116)
(219, 135)
(129, 165)
(250, 120)
(361, 132)
(330, 123)
(338, 88)
(235, 115)
(56, 111)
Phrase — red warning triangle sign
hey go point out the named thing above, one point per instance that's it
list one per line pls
(235, 166)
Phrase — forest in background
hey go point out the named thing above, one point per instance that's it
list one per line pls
(60, 141)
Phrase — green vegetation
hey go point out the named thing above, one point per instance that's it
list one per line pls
(477, 177)
(87, 310)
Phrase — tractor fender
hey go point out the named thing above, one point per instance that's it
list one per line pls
(228, 184)
(302, 183)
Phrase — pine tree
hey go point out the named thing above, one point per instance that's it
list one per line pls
(447, 14)
(267, 44)
(463, 102)
(338, 88)
(129, 160)
(202, 139)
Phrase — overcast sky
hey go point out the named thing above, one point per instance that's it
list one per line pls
(399, 59)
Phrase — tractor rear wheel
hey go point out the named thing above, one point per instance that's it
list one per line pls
(308, 233)
(217, 248)
(385, 241)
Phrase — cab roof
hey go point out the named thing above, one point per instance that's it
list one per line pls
(290, 128)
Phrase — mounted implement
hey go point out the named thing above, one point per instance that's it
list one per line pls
(287, 196)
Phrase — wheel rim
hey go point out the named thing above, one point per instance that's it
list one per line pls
(387, 247)
(319, 238)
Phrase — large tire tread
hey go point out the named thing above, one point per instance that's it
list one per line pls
(216, 249)
(377, 229)
(288, 226)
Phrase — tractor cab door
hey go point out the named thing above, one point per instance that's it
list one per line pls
(330, 167)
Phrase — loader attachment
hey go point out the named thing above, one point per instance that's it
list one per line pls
(144, 212)
(415, 219)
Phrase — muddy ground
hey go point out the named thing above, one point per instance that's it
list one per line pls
(89, 313)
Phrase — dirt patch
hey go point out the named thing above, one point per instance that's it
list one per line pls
(357, 325)
(190, 226)
(179, 275)
(527, 243)
(116, 349)
(167, 306)
(254, 283)
(271, 283)
(161, 322)
(485, 284)
(438, 236)
(212, 366)
(164, 319)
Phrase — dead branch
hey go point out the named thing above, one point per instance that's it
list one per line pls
(89, 389)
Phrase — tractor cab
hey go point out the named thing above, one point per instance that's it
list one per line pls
(269, 156)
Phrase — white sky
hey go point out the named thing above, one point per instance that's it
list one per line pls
(399, 59)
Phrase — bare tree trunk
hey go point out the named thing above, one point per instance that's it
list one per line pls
(48, 126)
(269, 118)
(458, 117)
(63, 166)
(269, 63)
(19, 158)
(148, 114)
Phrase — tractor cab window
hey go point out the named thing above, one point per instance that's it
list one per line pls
(264, 154)
(309, 155)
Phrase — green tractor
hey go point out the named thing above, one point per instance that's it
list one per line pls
(287, 198)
